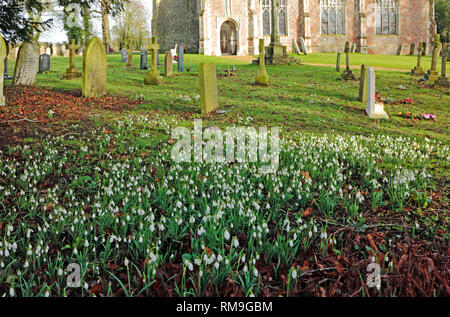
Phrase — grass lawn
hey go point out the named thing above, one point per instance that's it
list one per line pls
(92, 182)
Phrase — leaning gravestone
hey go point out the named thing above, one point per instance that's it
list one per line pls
(180, 54)
(144, 58)
(296, 48)
(27, 64)
(303, 45)
(400, 50)
(123, 53)
(374, 110)
(262, 78)
(94, 69)
(208, 87)
(168, 66)
(338, 62)
(2, 57)
(363, 84)
(412, 49)
(44, 63)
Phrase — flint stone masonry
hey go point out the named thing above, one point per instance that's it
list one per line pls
(197, 24)
(208, 87)
(94, 69)
(27, 64)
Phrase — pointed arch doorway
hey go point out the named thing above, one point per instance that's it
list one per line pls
(228, 38)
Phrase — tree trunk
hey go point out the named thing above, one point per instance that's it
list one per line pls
(105, 25)
(86, 14)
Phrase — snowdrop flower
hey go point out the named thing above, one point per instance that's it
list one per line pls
(226, 235)
(294, 274)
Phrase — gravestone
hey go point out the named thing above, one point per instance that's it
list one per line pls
(303, 45)
(412, 49)
(123, 53)
(168, 65)
(153, 77)
(180, 54)
(400, 50)
(144, 58)
(157, 59)
(27, 64)
(54, 50)
(262, 78)
(94, 69)
(295, 47)
(208, 87)
(425, 49)
(72, 72)
(44, 63)
(374, 110)
(130, 65)
(5, 68)
(348, 74)
(418, 70)
(353, 47)
(338, 62)
(433, 74)
(443, 79)
(363, 84)
(3, 56)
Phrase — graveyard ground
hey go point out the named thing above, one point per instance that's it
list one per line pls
(90, 181)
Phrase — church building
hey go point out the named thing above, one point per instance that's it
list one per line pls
(233, 27)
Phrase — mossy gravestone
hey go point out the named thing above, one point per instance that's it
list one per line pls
(262, 78)
(72, 72)
(348, 74)
(363, 84)
(208, 87)
(27, 64)
(94, 69)
(153, 77)
(418, 70)
(168, 65)
(443, 79)
(433, 74)
(129, 65)
(2, 65)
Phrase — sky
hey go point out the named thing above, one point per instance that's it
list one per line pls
(56, 33)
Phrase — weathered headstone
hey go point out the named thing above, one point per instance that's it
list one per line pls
(412, 49)
(144, 59)
(94, 69)
(303, 45)
(157, 58)
(54, 50)
(130, 65)
(443, 79)
(433, 74)
(348, 74)
(400, 50)
(72, 72)
(295, 47)
(338, 62)
(353, 47)
(425, 48)
(3, 56)
(418, 70)
(123, 53)
(168, 65)
(153, 77)
(363, 84)
(262, 78)
(208, 87)
(374, 110)
(180, 54)
(27, 64)
(44, 63)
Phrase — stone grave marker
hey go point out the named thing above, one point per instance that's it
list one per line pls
(144, 60)
(44, 63)
(94, 69)
(27, 64)
(433, 74)
(412, 49)
(374, 110)
(443, 79)
(338, 62)
(400, 50)
(262, 78)
(208, 87)
(363, 84)
(153, 77)
(130, 65)
(180, 54)
(353, 47)
(168, 65)
(425, 48)
(123, 54)
(348, 74)
(157, 59)
(3, 56)
(72, 72)
(303, 45)
(418, 70)
(296, 48)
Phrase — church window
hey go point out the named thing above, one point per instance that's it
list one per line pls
(267, 16)
(282, 18)
(332, 15)
(386, 15)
